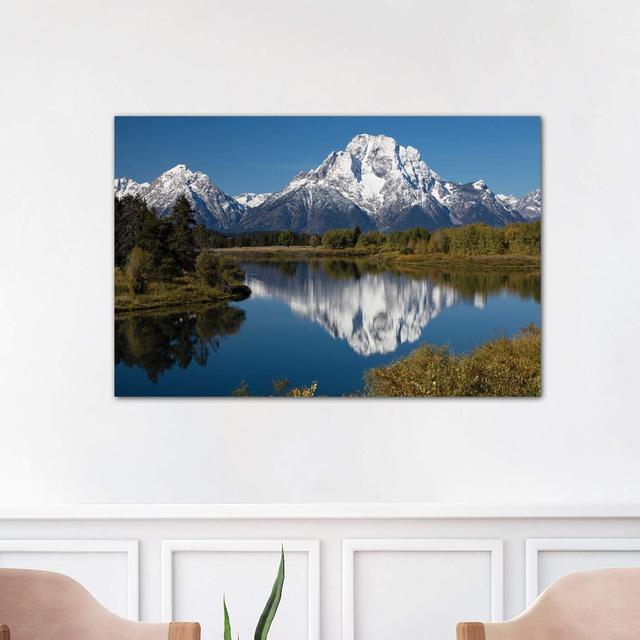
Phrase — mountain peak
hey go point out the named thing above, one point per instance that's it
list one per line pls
(366, 143)
(251, 199)
(178, 169)
(127, 187)
(529, 206)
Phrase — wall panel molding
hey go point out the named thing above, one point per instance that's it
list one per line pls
(350, 547)
(310, 547)
(314, 511)
(126, 547)
(536, 546)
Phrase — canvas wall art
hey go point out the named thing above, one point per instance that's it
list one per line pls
(327, 256)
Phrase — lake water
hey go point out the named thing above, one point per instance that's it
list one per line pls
(318, 320)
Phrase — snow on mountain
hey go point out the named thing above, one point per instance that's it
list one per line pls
(251, 199)
(374, 182)
(507, 200)
(529, 206)
(128, 187)
(306, 206)
(377, 183)
(476, 203)
(213, 208)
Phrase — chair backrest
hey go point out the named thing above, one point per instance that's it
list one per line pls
(590, 605)
(42, 605)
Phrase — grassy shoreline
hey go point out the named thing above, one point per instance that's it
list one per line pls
(507, 261)
(180, 292)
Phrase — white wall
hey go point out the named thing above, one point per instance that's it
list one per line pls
(67, 67)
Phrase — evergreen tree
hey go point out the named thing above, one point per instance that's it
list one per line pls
(131, 215)
(182, 242)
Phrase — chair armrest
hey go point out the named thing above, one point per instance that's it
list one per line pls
(177, 631)
(4, 632)
(470, 631)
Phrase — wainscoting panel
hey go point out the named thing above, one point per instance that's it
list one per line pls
(353, 572)
(427, 584)
(548, 559)
(107, 568)
(196, 574)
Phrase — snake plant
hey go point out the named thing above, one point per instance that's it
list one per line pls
(269, 612)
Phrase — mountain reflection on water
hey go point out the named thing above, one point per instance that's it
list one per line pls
(372, 307)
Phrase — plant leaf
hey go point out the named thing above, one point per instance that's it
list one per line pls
(269, 613)
(227, 624)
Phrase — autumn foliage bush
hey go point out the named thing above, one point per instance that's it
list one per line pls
(500, 367)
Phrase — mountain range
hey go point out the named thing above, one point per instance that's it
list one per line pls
(374, 182)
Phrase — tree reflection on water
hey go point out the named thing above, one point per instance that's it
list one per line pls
(158, 341)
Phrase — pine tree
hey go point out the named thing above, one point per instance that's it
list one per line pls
(130, 214)
(182, 242)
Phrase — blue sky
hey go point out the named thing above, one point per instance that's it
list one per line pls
(263, 153)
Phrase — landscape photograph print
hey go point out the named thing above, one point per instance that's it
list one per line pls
(327, 256)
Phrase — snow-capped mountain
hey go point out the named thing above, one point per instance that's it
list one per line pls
(475, 202)
(377, 183)
(251, 199)
(305, 206)
(129, 187)
(529, 206)
(213, 208)
(374, 182)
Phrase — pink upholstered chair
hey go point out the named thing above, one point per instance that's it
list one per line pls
(41, 605)
(590, 605)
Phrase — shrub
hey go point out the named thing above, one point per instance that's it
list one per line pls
(208, 267)
(372, 239)
(340, 238)
(304, 392)
(439, 241)
(523, 238)
(139, 270)
(501, 367)
(218, 271)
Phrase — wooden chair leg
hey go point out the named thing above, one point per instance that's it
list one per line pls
(179, 631)
(470, 631)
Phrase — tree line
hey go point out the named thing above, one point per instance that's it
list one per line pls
(469, 240)
(474, 239)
